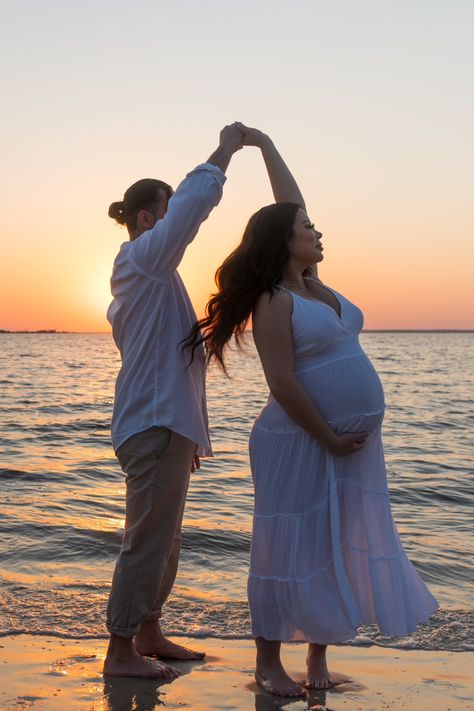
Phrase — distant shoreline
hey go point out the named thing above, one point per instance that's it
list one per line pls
(365, 330)
(41, 330)
(418, 330)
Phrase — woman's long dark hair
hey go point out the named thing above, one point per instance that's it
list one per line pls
(253, 268)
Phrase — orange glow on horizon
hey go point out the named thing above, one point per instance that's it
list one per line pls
(73, 294)
(373, 118)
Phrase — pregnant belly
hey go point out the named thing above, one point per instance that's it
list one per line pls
(347, 392)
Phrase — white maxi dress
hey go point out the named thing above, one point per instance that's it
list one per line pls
(326, 556)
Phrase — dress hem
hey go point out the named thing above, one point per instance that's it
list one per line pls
(350, 635)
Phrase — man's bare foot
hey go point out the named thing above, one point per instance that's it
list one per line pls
(318, 676)
(151, 642)
(278, 683)
(138, 666)
(167, 650)
(123, 660)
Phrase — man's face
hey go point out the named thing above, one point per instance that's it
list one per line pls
(149, 216)
(160, 207)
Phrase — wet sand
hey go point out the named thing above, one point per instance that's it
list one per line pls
(42, 673)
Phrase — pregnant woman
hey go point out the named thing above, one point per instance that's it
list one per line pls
(326, 556)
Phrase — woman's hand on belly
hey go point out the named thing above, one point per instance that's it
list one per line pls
(347, 443)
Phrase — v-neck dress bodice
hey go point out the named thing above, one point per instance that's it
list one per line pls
(326, 555)
(331, 364)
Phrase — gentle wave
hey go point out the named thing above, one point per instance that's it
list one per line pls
(83, 613)
(63, 491)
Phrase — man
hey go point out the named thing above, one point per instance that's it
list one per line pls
(159, 424)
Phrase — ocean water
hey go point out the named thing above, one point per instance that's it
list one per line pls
(62, 490)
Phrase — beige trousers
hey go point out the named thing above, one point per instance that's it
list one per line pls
(157, 464)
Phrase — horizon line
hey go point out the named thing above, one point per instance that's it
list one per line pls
(55, 332)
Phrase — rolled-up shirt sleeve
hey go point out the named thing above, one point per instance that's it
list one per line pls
(159, 251)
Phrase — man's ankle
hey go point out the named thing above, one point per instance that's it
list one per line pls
(151, 627)
(120, 646)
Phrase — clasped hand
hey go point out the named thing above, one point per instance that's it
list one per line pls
(237, 135)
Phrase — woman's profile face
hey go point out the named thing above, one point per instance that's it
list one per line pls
(305, 244)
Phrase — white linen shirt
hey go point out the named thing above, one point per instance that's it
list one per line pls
(151, 313)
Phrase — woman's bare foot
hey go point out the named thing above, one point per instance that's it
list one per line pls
(318, 676)
(277, 682)
(151, 642)
(270, 674)
(123, 660)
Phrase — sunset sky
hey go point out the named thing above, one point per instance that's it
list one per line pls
(369, 101)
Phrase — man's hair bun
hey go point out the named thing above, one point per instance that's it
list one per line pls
(117, 212)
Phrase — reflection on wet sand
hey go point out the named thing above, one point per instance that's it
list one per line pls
(316, 699)
(142, 695)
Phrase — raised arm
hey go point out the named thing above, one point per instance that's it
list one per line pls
(284, 186)
(230, 141)
(159, 250)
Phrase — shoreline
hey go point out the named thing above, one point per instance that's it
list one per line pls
(447, 629)
(48, 674)
(54, 332)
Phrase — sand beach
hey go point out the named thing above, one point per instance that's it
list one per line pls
(52, 674)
